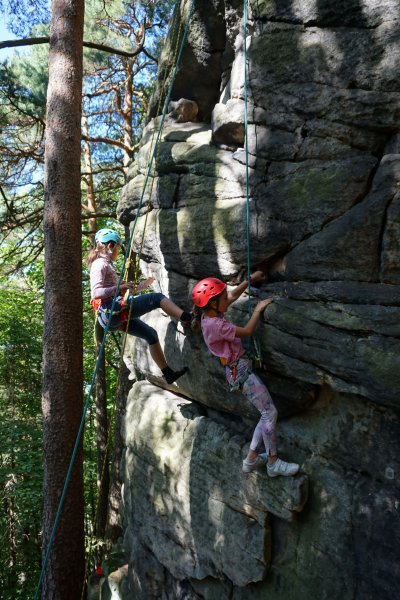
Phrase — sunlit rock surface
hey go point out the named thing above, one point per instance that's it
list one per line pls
(186, 498)
(324, 176)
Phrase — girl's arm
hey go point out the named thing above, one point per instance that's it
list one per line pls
(239, 289)
(136, 288)
(252, 323)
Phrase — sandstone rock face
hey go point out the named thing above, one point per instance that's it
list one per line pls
(182, 110)
(189, 503)
(324, 202)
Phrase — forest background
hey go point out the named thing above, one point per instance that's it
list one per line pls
(122, 42)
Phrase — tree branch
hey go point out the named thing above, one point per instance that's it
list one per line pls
(101, 47)
(106, 140)
(97, 215)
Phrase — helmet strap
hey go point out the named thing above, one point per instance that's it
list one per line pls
(216, 299)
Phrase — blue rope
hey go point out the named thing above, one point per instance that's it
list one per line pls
(101, 350)
(246, 146)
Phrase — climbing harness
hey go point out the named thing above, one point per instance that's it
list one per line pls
(104, 312)
(101, 349)
(237, 373)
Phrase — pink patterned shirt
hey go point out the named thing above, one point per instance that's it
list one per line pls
(221, 339)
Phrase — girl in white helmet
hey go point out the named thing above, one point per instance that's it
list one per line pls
(103, 283)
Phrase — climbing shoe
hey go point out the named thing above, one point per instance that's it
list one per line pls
(249, 466)
(280, 467)
(170, 376)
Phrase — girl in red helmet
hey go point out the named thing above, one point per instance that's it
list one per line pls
(103, 283)
(224, 339)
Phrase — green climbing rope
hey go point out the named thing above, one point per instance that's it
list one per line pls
(176, 26)
(101, 350)
(256, 349)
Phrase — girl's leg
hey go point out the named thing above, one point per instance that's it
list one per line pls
(158, 355)
(147, 302)
(171, 308)
(147, 333)
(256, 393)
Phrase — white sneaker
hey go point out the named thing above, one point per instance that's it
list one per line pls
(248, 466)
(280, 467)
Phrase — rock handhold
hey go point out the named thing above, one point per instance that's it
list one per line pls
(183, 110)
(227, 123)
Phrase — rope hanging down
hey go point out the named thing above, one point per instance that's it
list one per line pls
(153, 155)
(257, 351)
(110, 431)
(101, 350)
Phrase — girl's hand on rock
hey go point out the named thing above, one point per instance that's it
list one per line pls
(257, 276)
(263, 304)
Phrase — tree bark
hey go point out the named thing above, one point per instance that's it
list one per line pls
(63, 332)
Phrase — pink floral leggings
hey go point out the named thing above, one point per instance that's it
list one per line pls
(256, 393)
(240, 376)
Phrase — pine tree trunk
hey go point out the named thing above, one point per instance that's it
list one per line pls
(62, 338)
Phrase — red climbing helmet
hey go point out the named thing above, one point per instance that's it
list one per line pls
(206, 289)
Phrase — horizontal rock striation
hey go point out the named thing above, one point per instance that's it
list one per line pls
(324, 201)
(188, 501)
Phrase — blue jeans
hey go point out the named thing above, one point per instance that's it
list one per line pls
(141, 305)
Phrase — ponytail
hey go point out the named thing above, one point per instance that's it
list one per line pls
(100, 249)
(91, 257)
(196, 320)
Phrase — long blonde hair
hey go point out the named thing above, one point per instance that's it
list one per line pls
(94, 253)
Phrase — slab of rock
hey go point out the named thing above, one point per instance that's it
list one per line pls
(324, 113)
(186, 497)
(199, 75)
(227, 123)
(344, 13)
(368, 362)
(350, 246)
